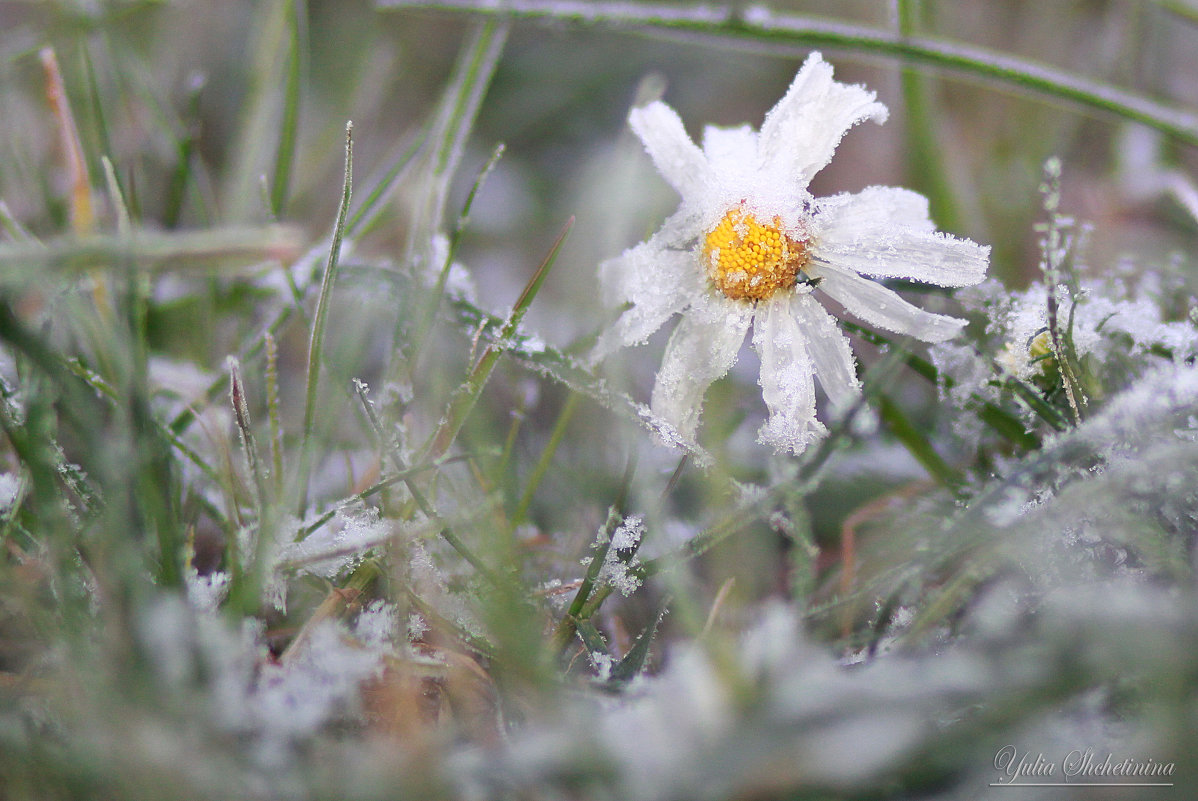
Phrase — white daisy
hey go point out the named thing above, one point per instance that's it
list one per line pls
(749, 244)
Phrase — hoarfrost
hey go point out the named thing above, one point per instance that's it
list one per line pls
(206, 593)
(333, 549)
(10, 488)
(376, 626)
(292, 701)
(603, 664)
(620, 562)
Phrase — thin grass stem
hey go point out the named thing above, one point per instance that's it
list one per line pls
(320, 320)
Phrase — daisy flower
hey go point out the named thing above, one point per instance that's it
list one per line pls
(749, 245)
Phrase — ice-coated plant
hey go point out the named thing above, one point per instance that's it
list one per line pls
(289, 511)
(749, 244)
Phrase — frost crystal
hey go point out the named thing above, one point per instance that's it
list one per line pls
(205, 593)
(10, 487)
(332, 550)
(618, 566)
(750, 246)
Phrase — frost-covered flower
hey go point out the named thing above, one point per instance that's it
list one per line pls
(750, 245)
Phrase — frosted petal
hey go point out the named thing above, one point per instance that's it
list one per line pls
(787, 378)
(656, 282)
(730, 149)
(801, 133)
(881, 307)
(876, 210)
(895, 249)
(702, 348)
(676, 157)
(829, 349)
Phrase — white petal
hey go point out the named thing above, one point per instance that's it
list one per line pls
(730, 149)
(801, 133)
(702, 348)
(861, 233)
(787, 378)
(676, 157)
(657, 282)
(829, 349)
(879, 306)
(876, 210)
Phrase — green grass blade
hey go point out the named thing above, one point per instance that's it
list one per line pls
(464, 398)
(273, 413)
(148, 250)
(763, 31)
(926, 168)
(265, 100)
(451, 127)
(433, 301)
(297, 47)
(916, 442)
(320, 320)
(546, 460)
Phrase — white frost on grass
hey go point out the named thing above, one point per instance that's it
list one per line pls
(206, 593)
(618, 565)
(340, 546)
(10, 488)
(275, 706)
(291, 702)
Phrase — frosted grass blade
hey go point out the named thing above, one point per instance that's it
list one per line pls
(320, 320)
(760, 30)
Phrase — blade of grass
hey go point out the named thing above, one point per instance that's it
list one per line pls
(926, 167)
(433, 302)
(148, 250)
(452, 124)
(552, 363)
(633, 662)
(297, 45)
(320, 320)
(81, 211)
(546, 460)
(97, 108)
(124, 225)
(465, 397)
(273, 414)
(757, 29)
(568, 625)
(917, 443)
(422, 502)
(259, 130)
(185, 144)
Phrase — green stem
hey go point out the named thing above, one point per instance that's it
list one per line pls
(464, 399)
(538, 473)
(320, 320)
(789, 35)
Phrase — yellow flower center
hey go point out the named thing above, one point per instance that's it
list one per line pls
(750, 261)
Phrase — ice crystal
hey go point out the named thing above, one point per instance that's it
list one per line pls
(619, 563)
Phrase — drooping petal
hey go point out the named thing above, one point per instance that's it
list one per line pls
(787, 378)
(881, 307)
(657, 282)
(801, 133)
(886, 233)
(676, 157)
(829, 349)
(702, 348)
